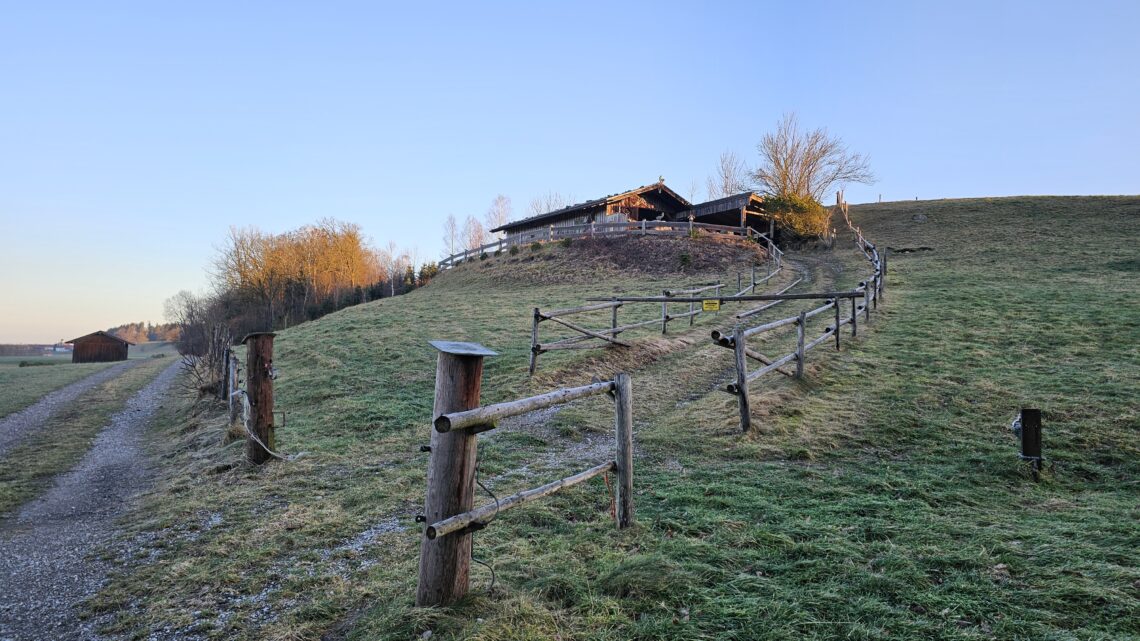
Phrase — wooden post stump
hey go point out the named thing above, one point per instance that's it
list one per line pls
(445, 563)
(259, 375)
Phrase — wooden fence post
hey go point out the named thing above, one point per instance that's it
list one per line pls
(1031, 438)
(224, 390)
(445, 563)
(867, 302)
(259, 375)
(235, 407)
(664, 312)
(717, 290)
(882, 274)
(854, 316)
(623, 423)
(738, 348)
(752, 289)
(800, 346)
(613, 320)
(534, 340)
(837, 324)
(692, 316)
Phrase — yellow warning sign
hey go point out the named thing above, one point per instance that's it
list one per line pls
(710, 305)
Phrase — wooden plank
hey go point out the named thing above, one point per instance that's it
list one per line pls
(489, 414)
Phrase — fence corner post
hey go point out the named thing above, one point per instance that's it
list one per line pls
(623, 421)
(738, 347)
(445, 562)
(259, 389)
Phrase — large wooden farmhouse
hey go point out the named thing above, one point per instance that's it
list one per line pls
(99, 347)
(650, 202)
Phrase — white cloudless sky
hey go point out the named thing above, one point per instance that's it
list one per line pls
(133, 135)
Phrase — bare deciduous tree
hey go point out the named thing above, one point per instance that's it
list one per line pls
(500, 212)
(450, 235)
(806, 164)
(473, 234)
(548, 202)
(731, 177)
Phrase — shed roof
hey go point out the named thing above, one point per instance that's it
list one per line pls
(589, 204)
(99, 333)
(745, 200)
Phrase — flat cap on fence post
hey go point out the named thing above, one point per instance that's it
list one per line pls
(445, 563)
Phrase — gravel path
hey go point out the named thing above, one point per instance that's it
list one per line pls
(45, 569)
(31, 419)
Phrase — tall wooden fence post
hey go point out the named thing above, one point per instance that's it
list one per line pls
(445, 563)
(837, 312)
(739, 347)
(623, 424)
(259, 375)
(224, 391)
(854, 317)
(235, 407)
(613, 320)
(664, 312)
(800, 345)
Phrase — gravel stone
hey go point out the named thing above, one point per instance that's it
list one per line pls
(46, 564)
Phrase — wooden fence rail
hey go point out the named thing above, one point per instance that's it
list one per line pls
(863, 298)
(615, 229)
(449, 512)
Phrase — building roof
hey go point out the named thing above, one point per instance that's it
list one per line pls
(590, 204)
(748, 199)
(100, 333)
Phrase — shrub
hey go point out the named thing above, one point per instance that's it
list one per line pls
(483, 256)
(514, 250)
(803, 217)
(685, 259)
(536, 246)
(566, 242)
(498, 252)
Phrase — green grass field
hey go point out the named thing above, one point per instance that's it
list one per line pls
(881, 497)
(23, 386)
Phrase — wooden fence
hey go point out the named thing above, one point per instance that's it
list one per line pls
(592, 338)
(445, 553)
(863, 298)
(611, 230)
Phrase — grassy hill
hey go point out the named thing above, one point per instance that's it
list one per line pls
(880, 497)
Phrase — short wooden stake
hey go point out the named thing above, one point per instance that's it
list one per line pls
(739, 347)
(623, 425)
(1031, 438)
(445, 563)
(259, 376)
(800, 345)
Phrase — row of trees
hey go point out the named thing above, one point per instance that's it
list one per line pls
(263, 281)
(475, 233)
(139, 333)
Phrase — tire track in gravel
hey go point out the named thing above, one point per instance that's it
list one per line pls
(19, 425)
(46, 568)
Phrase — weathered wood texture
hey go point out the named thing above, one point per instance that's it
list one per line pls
(259, 389)
(445, 564)
(739, 341)
(623, 434)
(448, 421)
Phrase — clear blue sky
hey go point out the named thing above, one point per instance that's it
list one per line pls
(133, 135)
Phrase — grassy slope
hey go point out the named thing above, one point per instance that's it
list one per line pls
(879, 498)
(29, 467)
(23, 386)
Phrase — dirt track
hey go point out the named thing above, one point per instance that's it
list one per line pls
(15, 427)
(45, 564)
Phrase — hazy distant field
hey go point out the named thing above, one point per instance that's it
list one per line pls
(23, 386)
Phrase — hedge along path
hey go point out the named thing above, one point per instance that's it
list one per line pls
(20, 425)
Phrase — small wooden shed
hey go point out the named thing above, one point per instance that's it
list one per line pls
(99, 347)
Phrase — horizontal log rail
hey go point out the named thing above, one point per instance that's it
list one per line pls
(734, 299)
(479, 517)
(489, 414)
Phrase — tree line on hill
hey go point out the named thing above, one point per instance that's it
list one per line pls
(139, 333)
(264, 282)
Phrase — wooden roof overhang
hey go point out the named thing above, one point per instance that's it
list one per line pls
(657, 189)
(97, 334)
